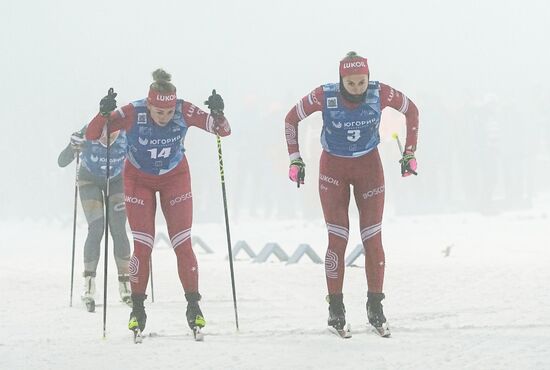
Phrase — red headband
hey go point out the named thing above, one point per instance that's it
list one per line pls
(162, 100)
(355, 66)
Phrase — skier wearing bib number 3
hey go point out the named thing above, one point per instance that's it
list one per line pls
(155, 129)
(351, 118)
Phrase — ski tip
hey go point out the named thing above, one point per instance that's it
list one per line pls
(344, 333)
(383, 331)
(138, 338)
(90, 306)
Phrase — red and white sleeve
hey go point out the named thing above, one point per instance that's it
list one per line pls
(390, 97)
(309, 104)
(194, 116)
(120, 119)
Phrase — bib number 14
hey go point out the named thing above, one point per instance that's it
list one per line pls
(163, 153)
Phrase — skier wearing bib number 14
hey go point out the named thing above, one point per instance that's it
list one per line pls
(155, 129)
(351, 118)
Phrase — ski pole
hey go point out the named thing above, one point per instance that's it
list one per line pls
(106, 256)
(151, 272)
(401, 151)
(74, 223)
(396, 137)
(222, 176)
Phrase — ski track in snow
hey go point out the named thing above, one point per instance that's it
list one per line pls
(483, 307)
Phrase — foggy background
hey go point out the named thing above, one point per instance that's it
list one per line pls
(477, 70)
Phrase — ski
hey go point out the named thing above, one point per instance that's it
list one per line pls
(90, 304)
(383, 331)
(198, 335)
(138, 338)
(344, 333)
(128, 301)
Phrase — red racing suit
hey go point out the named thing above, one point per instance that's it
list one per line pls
(170, 178)
(362, 170)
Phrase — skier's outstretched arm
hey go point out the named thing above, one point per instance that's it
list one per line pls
(395, 99)
(68, 154)
(119, 119)
(390, 97)
(308, 105)
(214, 122)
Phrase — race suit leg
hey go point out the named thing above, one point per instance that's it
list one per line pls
(177, 205)
(334, 192)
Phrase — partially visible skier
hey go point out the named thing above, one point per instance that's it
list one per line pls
(92, 188)
(351, 112)
(155, 128)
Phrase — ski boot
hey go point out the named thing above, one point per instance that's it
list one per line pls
(88, 295)
(375, 314)
(124, 289)
(138, 317)
(337, 315)
(195, 319)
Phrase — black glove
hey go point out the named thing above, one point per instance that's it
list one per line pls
(408, 164)
(108, 103)
(77, 139)
(215, 104)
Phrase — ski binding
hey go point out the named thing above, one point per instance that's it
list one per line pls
(198, 334)
(344, 333)
(90, 304)
(383, 331)
(138, 338)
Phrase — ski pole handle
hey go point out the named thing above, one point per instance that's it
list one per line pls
(405, 167)
(396, 137)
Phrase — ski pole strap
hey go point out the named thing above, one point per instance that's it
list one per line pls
(406, 161)
(299, 163)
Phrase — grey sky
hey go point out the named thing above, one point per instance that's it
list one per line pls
(60, 57)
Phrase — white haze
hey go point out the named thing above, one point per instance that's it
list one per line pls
(476, 70)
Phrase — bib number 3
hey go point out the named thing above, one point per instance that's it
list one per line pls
(354, 135)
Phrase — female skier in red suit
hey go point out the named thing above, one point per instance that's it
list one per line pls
(155, 128)
(351, 117)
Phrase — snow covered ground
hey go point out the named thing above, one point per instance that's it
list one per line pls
(485, 306)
